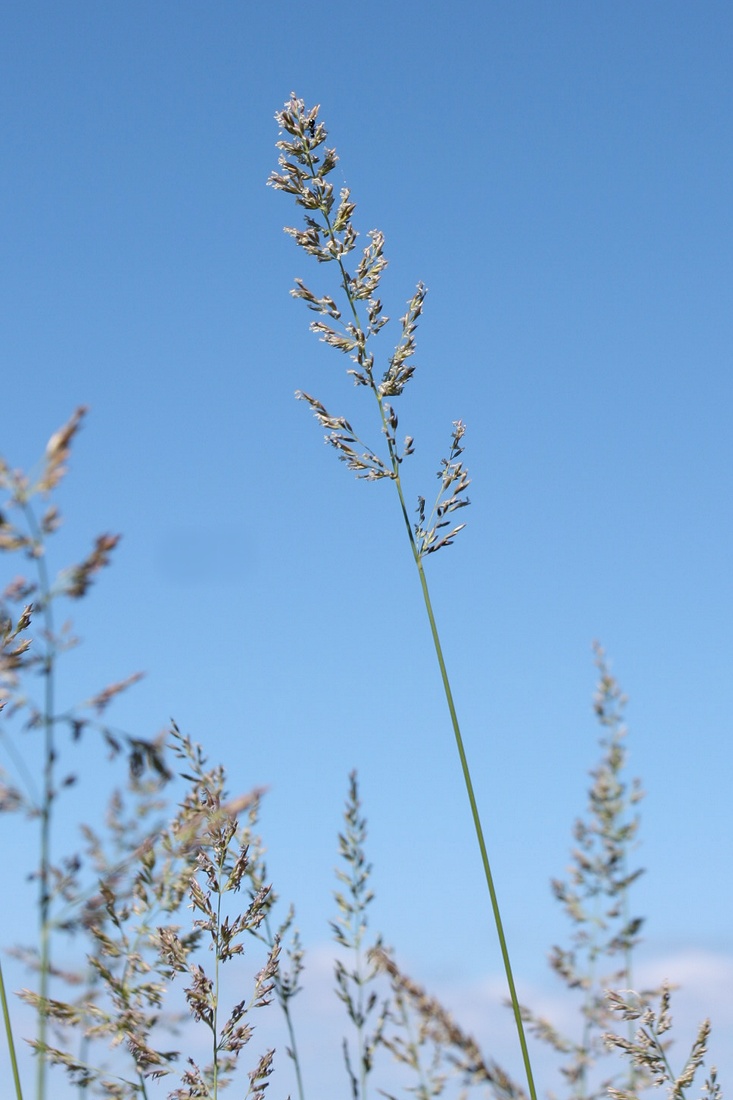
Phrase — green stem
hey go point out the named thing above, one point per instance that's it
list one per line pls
(9, 1036)
(479, 834)
(463, 759)
(464, 768)
(634, 1074)
(269, 940)
(360, 1026)
(131, 951)
(49, 758)
(294, 1049)
(661, 1049)
(217, 957)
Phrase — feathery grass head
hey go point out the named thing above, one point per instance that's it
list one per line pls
(355, 984)
(329, 235)
(426, 1038)
(647, 1051)
(142, 944)
(595, 897)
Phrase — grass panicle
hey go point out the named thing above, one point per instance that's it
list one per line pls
(647, 1051)
(123, 896)
(355, 984)
(25, 529)
(425, 1037)
(596, 901)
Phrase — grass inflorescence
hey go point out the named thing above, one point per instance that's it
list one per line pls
(330, 237)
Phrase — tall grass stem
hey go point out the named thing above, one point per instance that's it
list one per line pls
(49, 758)
(9, 1037)
(465, 769)
(304, 178)
(479, 835)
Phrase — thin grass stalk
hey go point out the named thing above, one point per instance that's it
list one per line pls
(628, 972)
(85, 1044)
(284, 1001)
(479, 835)
(217, 958)
(49, 751)
(361, 1029)
(349, 930)
(126, 969)
(9, 1037)
(294, 1047)
(656, 1026)
(309, 160)
(466, 771)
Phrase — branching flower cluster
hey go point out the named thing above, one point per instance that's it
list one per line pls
(125, 893)
(426, 1038)
(355, 985)
(37, 596)
(648, 1051)
(330, 236)
(596, 901)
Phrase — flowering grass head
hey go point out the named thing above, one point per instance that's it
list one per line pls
(349, 325)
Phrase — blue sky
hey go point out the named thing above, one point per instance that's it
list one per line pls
(559, 175)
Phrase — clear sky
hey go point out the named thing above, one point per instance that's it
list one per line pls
(560, 176)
